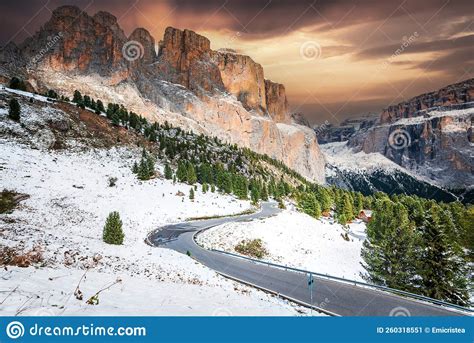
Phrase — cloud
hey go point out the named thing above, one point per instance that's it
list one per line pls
(457, 63)
(352, 35)
(417, 47)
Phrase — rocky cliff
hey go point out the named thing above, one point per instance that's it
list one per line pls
(431, 135)
(458, 93)
(219, 93)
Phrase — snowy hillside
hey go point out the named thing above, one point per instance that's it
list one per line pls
(295, 239)
(68, 197)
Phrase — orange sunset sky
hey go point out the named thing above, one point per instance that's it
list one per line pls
(337, 59)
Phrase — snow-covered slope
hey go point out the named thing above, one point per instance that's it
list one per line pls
(64, 216)
(69, 200)
(372, 172)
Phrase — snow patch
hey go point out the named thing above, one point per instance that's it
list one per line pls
(297, 240)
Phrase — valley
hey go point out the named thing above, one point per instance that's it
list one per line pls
(111, 163)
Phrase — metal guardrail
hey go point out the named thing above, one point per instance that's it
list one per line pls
(387, 289)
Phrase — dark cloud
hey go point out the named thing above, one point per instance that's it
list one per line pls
(363, 29)
(257, 18)
(269, 17)
(417, 47)
(457, 63)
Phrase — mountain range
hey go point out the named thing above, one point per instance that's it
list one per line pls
(225, 94)
(430, 137)
(182, 81)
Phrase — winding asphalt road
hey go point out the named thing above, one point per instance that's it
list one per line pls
(333, 297)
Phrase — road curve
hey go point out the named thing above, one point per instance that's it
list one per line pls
(339, 298)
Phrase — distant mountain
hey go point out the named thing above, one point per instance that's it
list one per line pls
(185, 82)
(372, 172)
(329, 133)
(430, 135)
(394, 182)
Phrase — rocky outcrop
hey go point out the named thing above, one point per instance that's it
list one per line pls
(430, 135)
(277, 105)
(328, 133)
(218, 93)
(243, 78)
(146, 49)
(184, 58)
(436, 143)
(458, 93)
(300, 119)
(12, 62)
(73, 41)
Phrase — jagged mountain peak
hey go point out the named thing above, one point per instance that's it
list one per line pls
(185, 82)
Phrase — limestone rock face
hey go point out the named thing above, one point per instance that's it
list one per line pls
(12, 62)
(184, 58)
(74, 41)
(243, 78)
(218, 93)
(300, 119)
(434, 133)
(146, 48)
(458, 93)
(277, 104)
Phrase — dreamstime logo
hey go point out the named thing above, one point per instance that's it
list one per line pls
(319, 130)
(222, 312)
(310, 50)
(15, 330)
(51, 42)
(132, 50)
(399, 139)
(406, 42)
(399, 312)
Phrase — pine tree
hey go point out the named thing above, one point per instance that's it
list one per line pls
(389, 249)
(100, 106)
(135, 168)
(344, 208)
(254, 195)
(264, 194)
(213, 188)
(16, 83)
(308, 204)
(441, 264)
(113, 233)
(226, 183)
(342, 219)
(115, 119)
(191, 193)
(168, 172)
(317, 210)
(77, 97)
(87, 101)
(325, 200)
(146, 167)
(111, 110)
(181, 172)
(191, 174)
(358, 203)
(15, 110)
(52, 94)
(240, 186)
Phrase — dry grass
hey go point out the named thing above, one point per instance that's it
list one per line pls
(9, 200)
(12, 256)
(252, 248)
